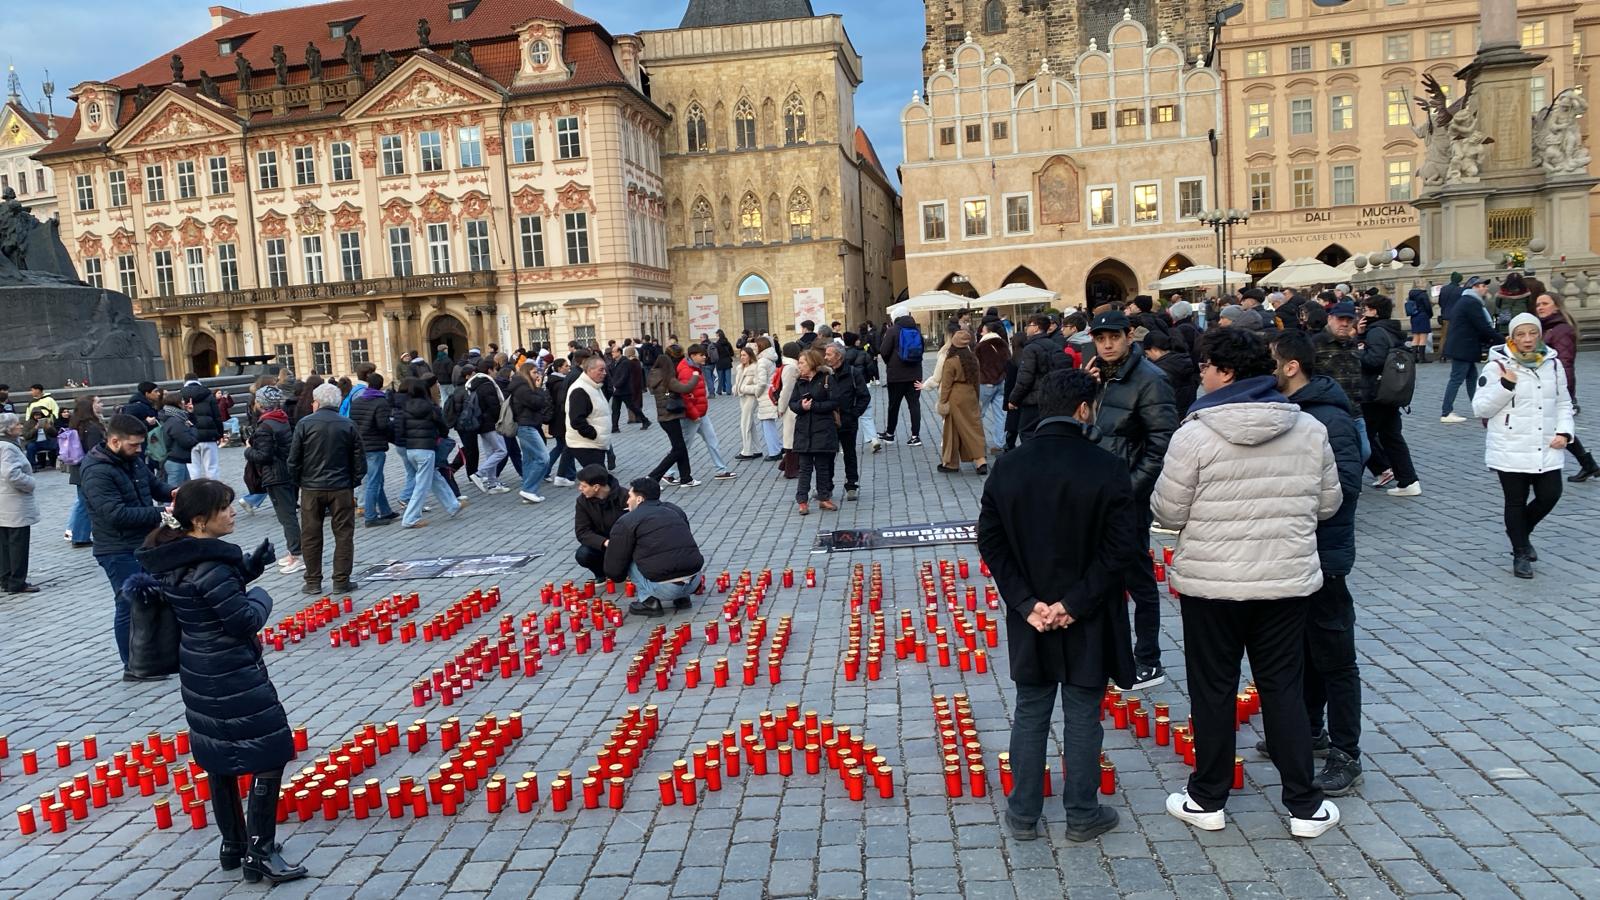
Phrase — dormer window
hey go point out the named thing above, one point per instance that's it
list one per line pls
(94, 115)
(226, 46)
(539, 53)
(459, 11)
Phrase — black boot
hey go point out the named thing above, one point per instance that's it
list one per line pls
(1340, 775)
(1521, 565)
(1587, 469)
(229, 811)
(264, 858)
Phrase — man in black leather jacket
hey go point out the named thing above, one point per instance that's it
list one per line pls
(1136, 416)
(1033, 364)
(326, 460)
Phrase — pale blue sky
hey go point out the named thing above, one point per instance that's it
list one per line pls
(80, 40)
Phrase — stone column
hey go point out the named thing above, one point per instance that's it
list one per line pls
(1498, 24)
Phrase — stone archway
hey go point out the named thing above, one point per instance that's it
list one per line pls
(956, 283)
(1110, 281)
(1175, 263)
(1333, 255)
(1024, 275)
(448, 330)
(202, 355)
(1265, 260)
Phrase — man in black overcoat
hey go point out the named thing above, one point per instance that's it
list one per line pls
(1059, 531)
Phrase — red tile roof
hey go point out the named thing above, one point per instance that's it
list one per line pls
(384, 25)
(37, 121)
(867, 153)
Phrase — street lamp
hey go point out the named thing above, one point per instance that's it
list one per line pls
(1222, 222)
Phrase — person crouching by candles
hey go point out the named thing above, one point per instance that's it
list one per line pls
(653, 546)
(236, 724)
(814, 403)
(1244, 579)
(1058, 530)
(601, 502)
(1522, 394)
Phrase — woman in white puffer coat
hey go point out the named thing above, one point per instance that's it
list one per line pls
(1522, 393)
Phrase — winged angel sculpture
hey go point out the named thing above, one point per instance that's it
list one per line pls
(1455, 144)
(1558, 135)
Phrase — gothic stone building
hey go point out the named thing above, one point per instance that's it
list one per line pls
(341, 183)
(1026, 33)
(779, 210)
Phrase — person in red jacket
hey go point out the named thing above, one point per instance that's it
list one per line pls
(695, 407)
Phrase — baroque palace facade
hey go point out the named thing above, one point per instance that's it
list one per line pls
(780, 210)
(345, 182)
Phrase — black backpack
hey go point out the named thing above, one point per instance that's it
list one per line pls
(1397, 381)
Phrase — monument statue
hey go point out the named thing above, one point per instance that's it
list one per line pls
(1558, 135)
(177, 69)
(142, 96)
(314, 60)
(280, 64)
(386, 63)
(208, 86)
(352, 53)
(1455, 144)
(57, 327)
(241, 71)
(461, 55)
(424, 33)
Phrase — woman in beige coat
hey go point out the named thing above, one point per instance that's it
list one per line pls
(19, 511)
(747, 386)
(958, 405)
(766, 408)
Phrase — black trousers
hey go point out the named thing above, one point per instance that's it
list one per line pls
(904, 392)
(678, 455)
(1141, 586)
(593, 560)
(1523, 515)
(1333, 680)
(848, 430)
(586, 456)
(468, 446)
(820, 463)
(287, 509)
(14, 558)
(1013, 425)
(1026, 417)
(316, 506)
(1216, 635)
(635, 414)
(1389, 448)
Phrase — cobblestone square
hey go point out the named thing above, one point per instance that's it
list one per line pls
(1479, 731)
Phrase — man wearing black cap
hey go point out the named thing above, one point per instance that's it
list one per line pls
(1471, 331)
(1136, 417)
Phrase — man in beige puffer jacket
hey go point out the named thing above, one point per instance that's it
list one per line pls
(1247, 478)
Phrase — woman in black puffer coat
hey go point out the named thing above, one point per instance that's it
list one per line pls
(815, 399)
(236, 724)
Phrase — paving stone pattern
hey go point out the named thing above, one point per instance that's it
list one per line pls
(1480, 731)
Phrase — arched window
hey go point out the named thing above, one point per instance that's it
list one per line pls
(744, 126)
(754, 286)
(694, 125)
(701, 225)
(799, 216)
(794, 120)
(994, 17)
(749, 219)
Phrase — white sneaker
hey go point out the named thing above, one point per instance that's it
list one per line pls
(1180, 806)
(1414, 489)
(530, 497)
(1327, 817)
(558, 481)
(478, 482)
(1452, 419)
(298, 565)
(693, 482)
(499, 489)
(245, 508)
(1384, 479)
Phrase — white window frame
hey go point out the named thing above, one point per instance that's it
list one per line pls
(1389, 175)
(392, 148)
(277, 262)
(1088, 194)
(1249, 115)
(1334, 110)
(155, 183)
(117, 188)
(944, 221)
(402, 260)
(524, 142)
(438, 238)
(1333, 184)
(469, 147)
(85, 184)
(1307, 55)
(305, 166)
(227, 267)
(93, 273)
(341, 154)
(1177, 198)
(128, 275)
(480, 256)
(430, 149)
(1349, 55)
(312, 262)
(1271, 186)
(1257, 63)
(1441, 43)
(988, 218)
(188, 183)
(351, 265)
(1309, 183)
(166, 275)
(569, 138)
(530, 241)
(1005, 211)
(267, 165)
(1302, 110)
(1133, 203)
(221, 180)
(579, 253)
(194, 267)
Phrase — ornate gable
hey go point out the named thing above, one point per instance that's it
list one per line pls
(171, 119)
(418, 86)
(16, 131)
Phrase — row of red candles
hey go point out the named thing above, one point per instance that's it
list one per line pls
(479, 660)
(307, 620)
(377, 622)
(144, 766)
(816, 739)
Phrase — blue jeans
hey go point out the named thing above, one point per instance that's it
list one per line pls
(119, 567)
(773, 435)
(668, 591)
(427, 479)
(177, 473)
(560, 462)
(1081, 736)
(411, 475)
(724, 381)
(375, 501)
(991, 405)
(78, 521)
(702, 427)
(1460, 373)
(254, 501)
(535, 457)
(491, 453)
(1366, 442)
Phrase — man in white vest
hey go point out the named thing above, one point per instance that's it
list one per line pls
(588, 415)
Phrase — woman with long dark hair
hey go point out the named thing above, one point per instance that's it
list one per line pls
(670, 410)
(236, 724)
(958, 404)
(813, 402)
(19, 511)
(303, 404)
(1561, 335)
(91, 432)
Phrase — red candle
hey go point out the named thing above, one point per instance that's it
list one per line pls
(30, 762)
(57, 814)
(26, 823)
(1141, 723)
(1108, 778)
(668, 795)
(976, 776)
(1238, 773)
(91, 746)
(163, 814)
(558, 795)
(63, 754)
(591, 793)
(785, 760)
(300, 742)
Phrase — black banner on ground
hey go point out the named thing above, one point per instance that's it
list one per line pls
(447, 567)
(896, 537)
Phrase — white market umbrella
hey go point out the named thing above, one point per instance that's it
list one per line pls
(1303, 273)
(1016, 295)
(932, 301)
(1198, 277)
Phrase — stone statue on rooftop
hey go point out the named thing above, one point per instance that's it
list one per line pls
(314, 60)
